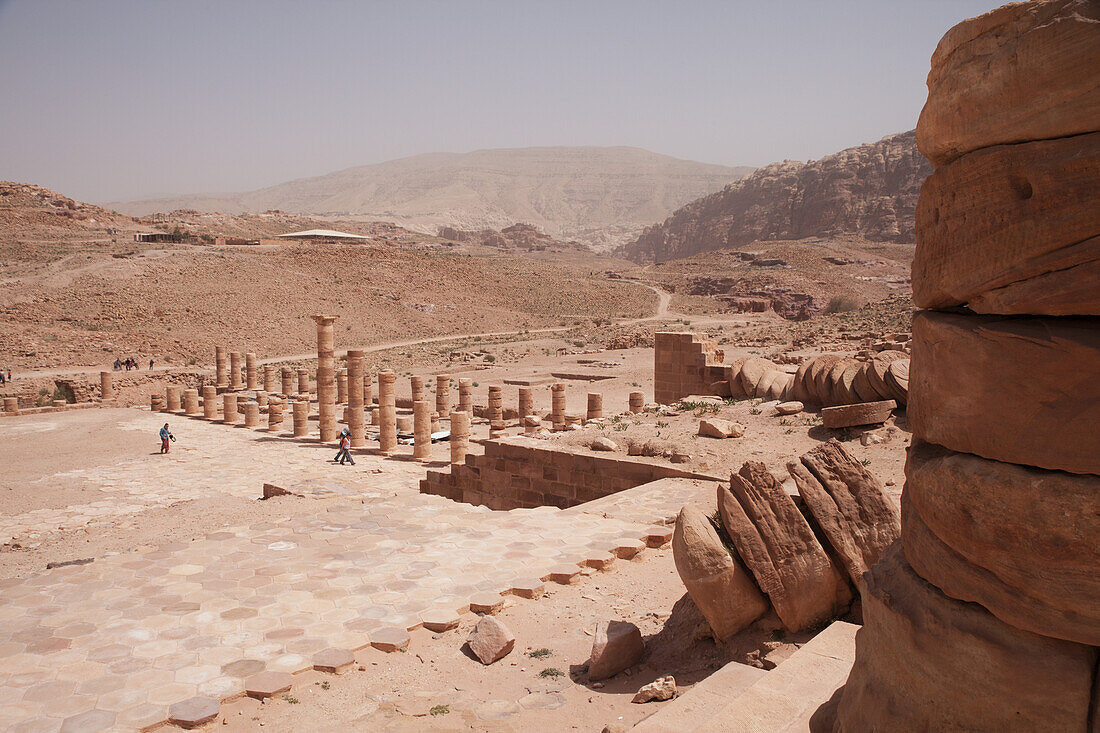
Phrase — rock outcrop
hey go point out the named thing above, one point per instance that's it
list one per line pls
(870, 190)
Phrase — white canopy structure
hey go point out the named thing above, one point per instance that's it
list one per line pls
(326, 234)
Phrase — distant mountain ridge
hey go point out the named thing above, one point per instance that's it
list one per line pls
(598, 195)
(870, 190)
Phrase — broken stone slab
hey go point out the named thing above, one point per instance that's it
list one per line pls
(718, 428)
(491, 640)
(715, 579)
(790, 408)
(69, 563)
(603, 444)
(439, 619)
(1011, 215)
(333, 661)
(848, 504)
(1007, 70)
(776, 544)
(1023, 542)
(1018, 390)
(193, 712)
(267, 684)
(390, 639)
(659, 690)
(849, 416)
(616, 645)
(486, 602)
(271, 490)
(928, 662)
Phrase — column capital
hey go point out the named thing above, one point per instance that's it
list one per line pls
(324, 320)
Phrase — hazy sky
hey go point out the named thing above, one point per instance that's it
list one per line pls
(107, 100)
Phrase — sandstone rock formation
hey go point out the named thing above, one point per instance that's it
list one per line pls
(491, 640)
(713, 576)
(779, 548)
(848, 504)
(967, 540)
(927, 662)
(870, 190)
(616, 645)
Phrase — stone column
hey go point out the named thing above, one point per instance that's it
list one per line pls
(422, 431)
(326, 377)
(11, 405)
(222, 379)
(443, 393)
(557, 405)
(435, 421)
(303, 381)
(156, 402)
(496, 407)
(262, 397)
(466, 396)
(250, 374)
(210, 402)
(106, 387)
(460, 435)
(229, 408)
(235, 370)
(637, 402)
(274, 413)
(368, 388)
(387, 412)
(251, 414)
(191, 401)
(172, 398)
(374, 416)
(416, 388)
(595, 406)
(288, 381)
(269, 379)
(300, 415)
(342, 387)
(526, 402)
(354, 414)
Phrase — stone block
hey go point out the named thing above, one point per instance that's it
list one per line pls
(867, 413)
(1018, 390)
(334, 661)
(267, 684)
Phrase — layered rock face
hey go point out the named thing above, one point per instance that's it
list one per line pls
(986, 616)
(870, 190)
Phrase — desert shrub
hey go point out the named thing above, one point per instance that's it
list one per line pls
(841, 304)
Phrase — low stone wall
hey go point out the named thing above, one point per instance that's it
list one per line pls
(526, 472)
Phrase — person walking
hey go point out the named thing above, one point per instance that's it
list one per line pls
(344, 454)
(150, 365)
(165, 436)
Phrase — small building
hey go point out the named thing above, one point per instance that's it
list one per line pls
(324, 235)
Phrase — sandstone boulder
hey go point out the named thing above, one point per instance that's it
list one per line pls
(718, 428)
(1009, 389)
(717, 583)
(867, 413)
(1009, 216)
(660, 689)
(848, 504)
(615, 646)
(1022, 542)
(603, 443)
(789, 408)
(777, 545)
(491, 640)
(928, 662)
(1003, 77)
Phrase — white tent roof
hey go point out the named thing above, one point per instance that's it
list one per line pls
(330, 233)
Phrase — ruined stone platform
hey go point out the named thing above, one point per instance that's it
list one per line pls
(114, 644)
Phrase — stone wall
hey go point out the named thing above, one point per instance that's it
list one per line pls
(685, 364)
(526, 472)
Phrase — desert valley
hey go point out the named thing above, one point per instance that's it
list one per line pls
(575, 438)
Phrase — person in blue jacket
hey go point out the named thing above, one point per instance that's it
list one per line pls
(165, 436)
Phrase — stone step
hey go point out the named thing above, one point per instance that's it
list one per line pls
(742, 699)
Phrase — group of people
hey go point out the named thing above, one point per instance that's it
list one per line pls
(128, 364)
(5, 378)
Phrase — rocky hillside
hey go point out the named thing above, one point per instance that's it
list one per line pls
(869, 191)
(596, 195)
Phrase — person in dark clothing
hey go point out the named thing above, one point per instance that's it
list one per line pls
(344, 454)
(165, 436)
(150, 364)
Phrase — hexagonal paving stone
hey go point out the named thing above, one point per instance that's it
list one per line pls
(267, 684)
(439, 619)
(486, 602)
(194, 712)
(563, 574)
(602, 561)
(658, 535)
(528, 588)
(89, 722)
(336, 661)
(627, 548)
(390, 639)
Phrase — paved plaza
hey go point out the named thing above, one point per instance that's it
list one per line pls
(116, 643)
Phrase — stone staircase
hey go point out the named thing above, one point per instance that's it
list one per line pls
(743, 699)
